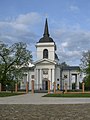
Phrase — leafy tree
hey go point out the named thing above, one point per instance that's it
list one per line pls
(12, 58)
(64, 64)
(85, 67)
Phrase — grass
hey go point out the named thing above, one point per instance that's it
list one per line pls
(7, 94)
(68, 95)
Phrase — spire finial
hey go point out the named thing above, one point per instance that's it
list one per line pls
(46, 32)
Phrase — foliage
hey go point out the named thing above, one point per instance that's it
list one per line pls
(12, 58)
(85, 67)
(68, 95)
(6, 94)
(64, 64)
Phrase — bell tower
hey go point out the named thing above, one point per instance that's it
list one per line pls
(46, 46)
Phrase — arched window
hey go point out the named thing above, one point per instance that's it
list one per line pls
(45, 53)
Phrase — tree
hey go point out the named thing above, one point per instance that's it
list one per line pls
(85, 67)
(12, 58)
(64, 64)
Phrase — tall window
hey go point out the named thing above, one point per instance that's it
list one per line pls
(45, 53)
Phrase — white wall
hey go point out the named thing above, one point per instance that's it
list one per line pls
(25, 79)
(30, 78)
(68, 80)
(49, 46)
(51, 73)
(57, 76)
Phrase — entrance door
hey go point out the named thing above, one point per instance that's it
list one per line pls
(45, 85)
(74, 81)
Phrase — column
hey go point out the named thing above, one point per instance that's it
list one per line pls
(16, 87)
(65, 87)
(40, 78)
(32, 83)
(77, 82)
(54, 87)
(29, 81)
(0, 87)
(37, 80)
(27, 77)
(48, 86)
(26, 87)
(50, 74)
(50, 79)
(70, 79)
(83, 86)
(53, 75)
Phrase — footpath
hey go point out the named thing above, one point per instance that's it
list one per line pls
(37, 98)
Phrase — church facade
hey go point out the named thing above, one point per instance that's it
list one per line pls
(47, 67)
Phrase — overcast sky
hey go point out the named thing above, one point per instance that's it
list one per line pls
(68, 21)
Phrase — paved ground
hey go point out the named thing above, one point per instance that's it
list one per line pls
(36, 107)
(45, 112)
(38, 99)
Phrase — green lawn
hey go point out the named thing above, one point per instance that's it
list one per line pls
(68, 95)
(6, 94)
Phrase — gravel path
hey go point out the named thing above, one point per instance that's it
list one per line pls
(45, 112)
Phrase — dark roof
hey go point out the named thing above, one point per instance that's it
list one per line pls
(46, 37)
(56, 57)
(71, 68)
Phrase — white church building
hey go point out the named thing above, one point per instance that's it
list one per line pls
(47, 67)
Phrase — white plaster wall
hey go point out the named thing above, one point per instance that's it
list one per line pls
(26, 79)
(30, 78)
(44, 66)
(50, 68)
(23, 81)
(57, 76)
(78, 78)
(49, 46)
(66, 80)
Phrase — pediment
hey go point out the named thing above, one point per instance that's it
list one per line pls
(45, 61)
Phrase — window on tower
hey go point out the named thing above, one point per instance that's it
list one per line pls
(45, 53)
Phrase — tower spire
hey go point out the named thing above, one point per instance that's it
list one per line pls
(46, 31)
